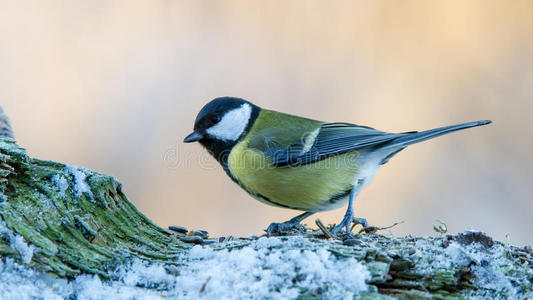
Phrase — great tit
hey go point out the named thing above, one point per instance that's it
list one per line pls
(298, 163)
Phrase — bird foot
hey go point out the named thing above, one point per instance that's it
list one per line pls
(347, 221)
(285, 228)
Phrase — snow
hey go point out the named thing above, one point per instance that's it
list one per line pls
(61, 183)
(80, 185)
(259, 271)
(262, 271)
(267, 268)
(18, 243)
(140, 273)
(488, 264)
(20, 283)
(488, 267)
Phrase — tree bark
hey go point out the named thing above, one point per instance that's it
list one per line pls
(74, 229)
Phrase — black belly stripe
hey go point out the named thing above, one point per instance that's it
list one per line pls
(259, 195)
(273, 202)
(338, 197)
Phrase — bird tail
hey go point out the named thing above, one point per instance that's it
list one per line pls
(417, 137)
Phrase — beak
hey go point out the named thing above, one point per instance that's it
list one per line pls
(193, 137)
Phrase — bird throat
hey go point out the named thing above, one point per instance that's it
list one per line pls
(220, 149)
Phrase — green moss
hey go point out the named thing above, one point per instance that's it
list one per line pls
(74, 233)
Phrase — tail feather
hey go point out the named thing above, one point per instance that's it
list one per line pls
(417, 137)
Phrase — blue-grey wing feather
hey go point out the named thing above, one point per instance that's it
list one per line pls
(339, 138)
(332, 139)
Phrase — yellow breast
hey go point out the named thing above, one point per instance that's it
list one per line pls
(322, 185)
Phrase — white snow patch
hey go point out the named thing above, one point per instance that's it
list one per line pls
(488, 264)
(81, 185)
(274, 242)
(91, 287)
(488, 267)
(18, 243)
(457, 254)
(262, 270)
(140, 273)
(61, 183)
(20, 282)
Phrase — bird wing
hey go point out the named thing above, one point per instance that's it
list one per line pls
(294, 147)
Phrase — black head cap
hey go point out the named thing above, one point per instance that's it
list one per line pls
(213, 113)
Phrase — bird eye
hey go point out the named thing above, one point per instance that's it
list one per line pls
(214, 119)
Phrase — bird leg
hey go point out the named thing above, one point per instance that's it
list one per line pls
(348, 217)
(287, 226)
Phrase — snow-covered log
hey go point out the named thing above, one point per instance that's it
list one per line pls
(69, 232)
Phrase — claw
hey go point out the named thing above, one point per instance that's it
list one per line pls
(345, 223)
(288, 227)
(278, 229)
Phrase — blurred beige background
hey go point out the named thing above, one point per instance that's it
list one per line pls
(115, 86)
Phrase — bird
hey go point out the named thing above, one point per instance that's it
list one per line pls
(299, 163)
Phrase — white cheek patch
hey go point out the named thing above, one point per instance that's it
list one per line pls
(232, 125)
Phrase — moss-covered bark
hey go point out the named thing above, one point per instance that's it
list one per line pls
(79, 221)
(73, 229)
